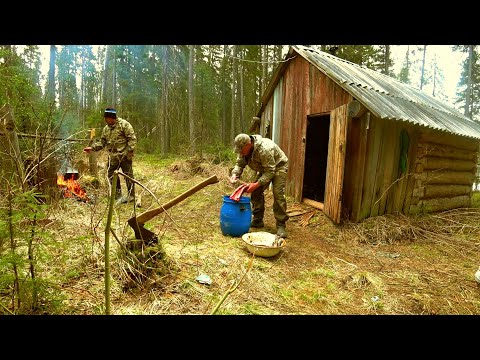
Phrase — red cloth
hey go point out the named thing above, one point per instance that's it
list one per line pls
(237, 194)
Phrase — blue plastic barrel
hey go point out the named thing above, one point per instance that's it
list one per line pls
(235, 217)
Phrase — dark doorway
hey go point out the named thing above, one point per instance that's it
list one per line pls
(316, 154)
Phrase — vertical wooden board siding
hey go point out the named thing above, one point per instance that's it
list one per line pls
(330, 166)
(268, 113)
(326, 94)
(360, 167)
(329, 179)
(277, 111)
(379, 171)
(300, 130)
(293, 126)
(399, 199)
(371, 166)
(412, 159)
(342, 151)
(396, 158)
(388, 153)
(306, 93)
(287, 111)
(350, 161)
(331, 94)
(336, 163)
(317, 82)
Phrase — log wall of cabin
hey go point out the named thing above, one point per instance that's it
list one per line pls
(444, 173)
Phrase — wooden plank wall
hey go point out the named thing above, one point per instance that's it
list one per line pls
(336, 163)
(306, 91)
(444, 172)
(325, 94)
(354, 165)
(267, 118)
(375, 184)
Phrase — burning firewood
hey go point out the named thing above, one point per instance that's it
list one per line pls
(71, 188)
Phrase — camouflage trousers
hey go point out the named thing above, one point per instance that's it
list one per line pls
(279, 200)
(115, 163)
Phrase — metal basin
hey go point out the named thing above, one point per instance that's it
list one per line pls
(263, 244)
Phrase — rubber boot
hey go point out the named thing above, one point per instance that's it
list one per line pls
(257, 223)
(281, 232)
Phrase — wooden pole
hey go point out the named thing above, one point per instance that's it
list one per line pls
(107, 243)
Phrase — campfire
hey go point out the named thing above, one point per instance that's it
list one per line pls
(71, 188)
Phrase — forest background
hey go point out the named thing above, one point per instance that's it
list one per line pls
(194, 97)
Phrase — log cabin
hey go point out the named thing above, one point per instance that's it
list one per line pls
(362, 144)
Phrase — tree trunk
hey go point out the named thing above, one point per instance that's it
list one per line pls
(164, 118)
(51, 78)
(107, 92)
(242, 99)
(387, 59)
(114, 77)
(11, 163)
(423, 66)
(234, 78)
(191, 99)
(224, 98)
(468, 92)
(264, 69)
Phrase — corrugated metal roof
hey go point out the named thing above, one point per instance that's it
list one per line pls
(389, 98)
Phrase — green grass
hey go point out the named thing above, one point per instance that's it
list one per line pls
(476, 199)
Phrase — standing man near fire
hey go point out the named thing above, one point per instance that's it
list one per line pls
(118, 138)
(271, 164)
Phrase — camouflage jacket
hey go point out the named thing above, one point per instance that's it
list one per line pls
(118, 140)
(266, 158)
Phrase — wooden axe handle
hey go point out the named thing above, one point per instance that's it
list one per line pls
(147, 215)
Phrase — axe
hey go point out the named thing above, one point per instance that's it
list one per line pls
(137, 223)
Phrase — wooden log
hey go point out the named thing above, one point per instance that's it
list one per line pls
(43, 136)
(442, 139)
(448, 164)
(445, 151)
(313, 203)
(148, 215)
(419, 192)
(448, 177)
(439, 191)
(441, 204)
(355, 109)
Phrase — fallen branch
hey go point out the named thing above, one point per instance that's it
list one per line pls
(233, 287)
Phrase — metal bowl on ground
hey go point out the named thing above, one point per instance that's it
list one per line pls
(263, 244)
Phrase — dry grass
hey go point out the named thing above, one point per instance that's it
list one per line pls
(390, 264)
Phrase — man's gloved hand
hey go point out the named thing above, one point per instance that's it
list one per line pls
(252, 187)
(87, 149)
(130, 155)
(233, 179)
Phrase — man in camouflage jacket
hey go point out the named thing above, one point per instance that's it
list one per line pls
(271, 164)
(118, 138)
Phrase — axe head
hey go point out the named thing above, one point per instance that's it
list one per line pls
(141, 233)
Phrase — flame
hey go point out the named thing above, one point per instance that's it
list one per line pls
(73, 187)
